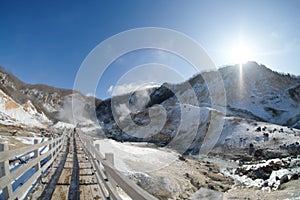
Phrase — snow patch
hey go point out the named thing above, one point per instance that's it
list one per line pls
(136, 157)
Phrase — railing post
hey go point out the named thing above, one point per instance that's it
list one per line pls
(50, 148)
(4, 170)
(36, 154)
(57, 144)
(93, 150)
(61, 142)
(53, 146)
(97, 148)
(62, 139)
(90, 148)
(110, 158)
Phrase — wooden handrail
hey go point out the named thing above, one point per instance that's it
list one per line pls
(132, 190)
(18, 172)
(8, 177)
(7, 155)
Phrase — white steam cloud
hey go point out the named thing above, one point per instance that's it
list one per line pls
(77, 109)
(129, 88)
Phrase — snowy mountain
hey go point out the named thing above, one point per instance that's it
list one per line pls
(255, 92)
(249, 129)
(255, 97)
(253, 136)
(267, 95)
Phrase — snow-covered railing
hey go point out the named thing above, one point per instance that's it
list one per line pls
(17, 183)
(108, 176)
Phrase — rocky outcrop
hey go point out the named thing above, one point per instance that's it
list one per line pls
(183, 179)
(160, 95)
(269, 174)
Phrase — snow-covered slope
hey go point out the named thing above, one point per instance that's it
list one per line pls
(252, 91)
(12, 112)
(266, 94)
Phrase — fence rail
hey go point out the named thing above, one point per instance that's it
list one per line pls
(109, 176)
(8, 178)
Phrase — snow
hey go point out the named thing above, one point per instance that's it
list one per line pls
(273, 182)
(30, 140)
(236, 129)
(252, 91)
(16, 112)
(63, 125)
(6, 120)
(136, 157)
(49, 107)
(23, 117)
(90, 129)
(29, 108)
(274, 179)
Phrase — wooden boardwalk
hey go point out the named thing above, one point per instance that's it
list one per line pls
(72, 168)
(77, 179)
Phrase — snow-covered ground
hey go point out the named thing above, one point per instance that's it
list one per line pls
(273, 182)
(136, 157)
(160, 171)
(6, 120)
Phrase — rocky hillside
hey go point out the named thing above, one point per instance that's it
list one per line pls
(259, 93)
(252, 138)
(169, 115)
(55, 103)
(254, 92)
(13, 113)
(256, 97)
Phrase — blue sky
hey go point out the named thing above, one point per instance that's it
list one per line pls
(46, 41)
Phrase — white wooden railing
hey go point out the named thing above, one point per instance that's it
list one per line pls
(109, 176)
(7, 178)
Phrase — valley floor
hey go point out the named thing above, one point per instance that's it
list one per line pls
(168, 175)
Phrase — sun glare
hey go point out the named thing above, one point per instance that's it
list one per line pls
(240, 53)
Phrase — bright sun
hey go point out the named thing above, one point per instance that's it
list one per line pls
(240, 53)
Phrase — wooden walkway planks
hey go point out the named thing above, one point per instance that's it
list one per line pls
(89, 188)
(63, 184)
(56, 174)
(77, 165)
(60, 192)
